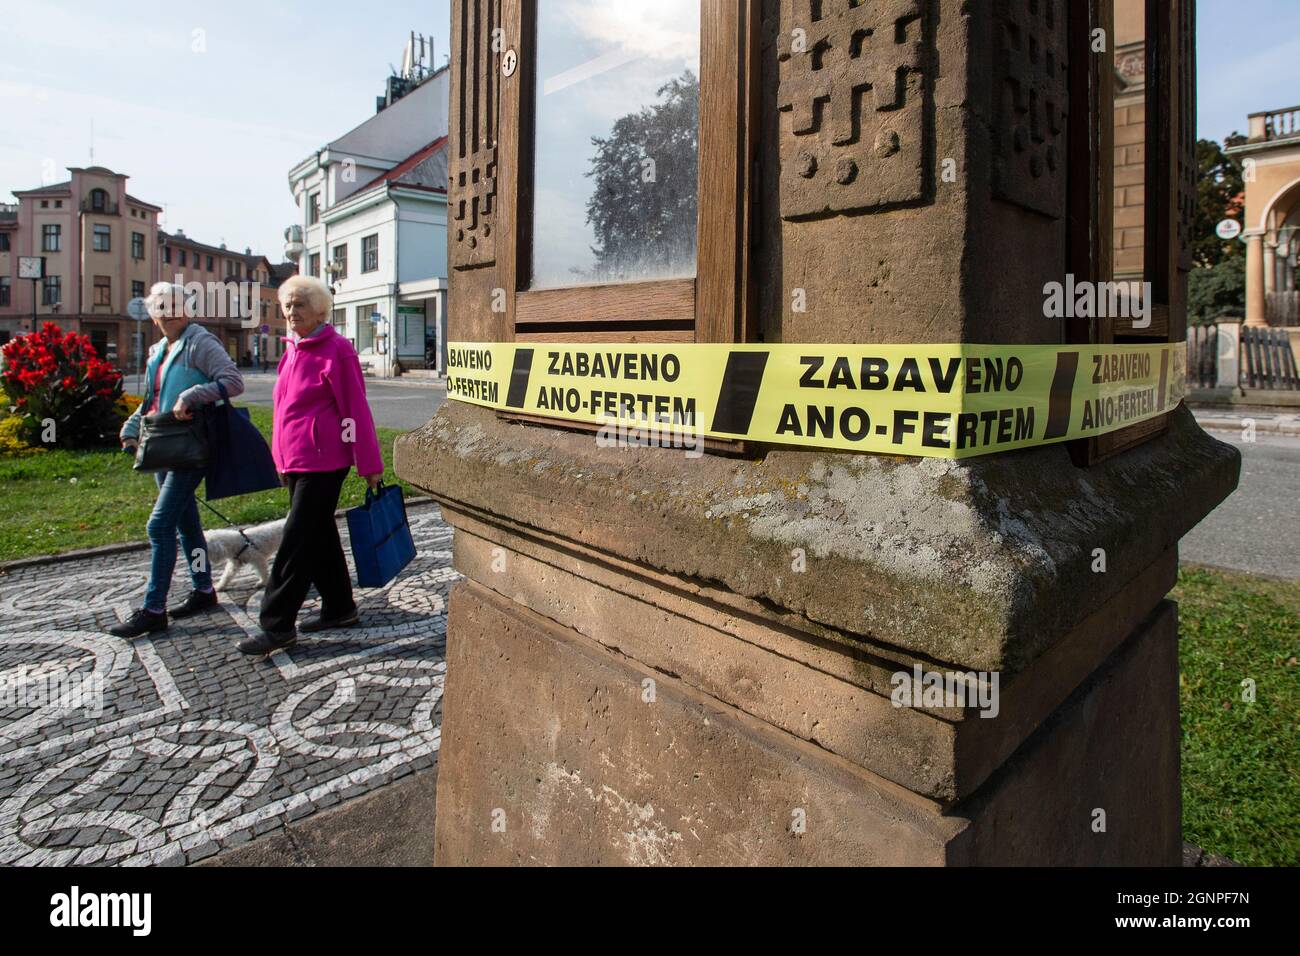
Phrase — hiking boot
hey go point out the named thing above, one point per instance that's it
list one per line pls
(196, 603)
(140, 622)
(266, 643)
(322, 623)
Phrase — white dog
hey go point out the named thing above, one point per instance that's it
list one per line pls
(254, 547)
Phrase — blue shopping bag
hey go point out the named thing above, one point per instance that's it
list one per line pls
(381, 537)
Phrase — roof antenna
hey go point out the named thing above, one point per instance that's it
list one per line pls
(92, 142)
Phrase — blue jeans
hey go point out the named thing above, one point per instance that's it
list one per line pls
(176, 510)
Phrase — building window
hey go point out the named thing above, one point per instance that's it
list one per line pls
(45, 204)
(182, 261)
(632, 228)
(4, 242)
(51, 238)
(103, 291)
(137, 289)
(370, 254)
(365, 341)
(339, 319)
(102, 240)
(209, 263)
(167, 254)
(58, 204)
(4, 291)
(313, 209)
(662, 175)
(313, 264)
(137, 245)
(98, 200)
(341, 261)
(52, 291)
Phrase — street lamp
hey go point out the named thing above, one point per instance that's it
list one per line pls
(335, 271)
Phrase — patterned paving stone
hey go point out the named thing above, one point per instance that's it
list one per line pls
(169, 749)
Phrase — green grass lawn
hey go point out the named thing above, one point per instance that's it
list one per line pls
(64, 500)
(1241, 761)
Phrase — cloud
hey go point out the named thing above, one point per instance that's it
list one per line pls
(659, 29)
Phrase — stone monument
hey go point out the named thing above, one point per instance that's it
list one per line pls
(660, 660)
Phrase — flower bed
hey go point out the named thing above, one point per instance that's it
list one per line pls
(60, 392)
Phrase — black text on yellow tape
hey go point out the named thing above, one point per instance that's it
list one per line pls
(941, 401)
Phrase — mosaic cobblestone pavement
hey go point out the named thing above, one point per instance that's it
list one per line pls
(193, 748)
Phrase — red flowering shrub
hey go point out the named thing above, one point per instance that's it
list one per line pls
(52, 375)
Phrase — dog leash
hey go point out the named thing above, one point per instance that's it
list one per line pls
(247, 541)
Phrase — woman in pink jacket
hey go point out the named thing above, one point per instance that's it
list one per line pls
(322, 429)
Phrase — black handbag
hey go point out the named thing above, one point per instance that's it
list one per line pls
(169, 444)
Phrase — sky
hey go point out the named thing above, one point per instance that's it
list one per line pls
(1240, 74)
(206, 106)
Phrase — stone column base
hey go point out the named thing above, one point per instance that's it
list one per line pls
(559, 750)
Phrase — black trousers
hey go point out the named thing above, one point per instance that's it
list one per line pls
(310, 553)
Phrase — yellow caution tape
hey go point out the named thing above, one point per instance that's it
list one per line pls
(938, 401)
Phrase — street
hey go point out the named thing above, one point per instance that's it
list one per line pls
(405, 407)
(1258, 528)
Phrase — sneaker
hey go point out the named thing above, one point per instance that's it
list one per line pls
(196, 603)
(322, 623)
(266, 643)
(140, 622)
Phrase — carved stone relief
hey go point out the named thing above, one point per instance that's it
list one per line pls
(1032, 67)
(853, 101)
(477, 109)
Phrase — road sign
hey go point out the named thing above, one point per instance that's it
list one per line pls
(1228, 230)
(137, 309)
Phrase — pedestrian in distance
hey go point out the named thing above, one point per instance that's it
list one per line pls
(322, 428)
(185, 372)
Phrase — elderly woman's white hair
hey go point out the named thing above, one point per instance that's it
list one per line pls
(319, 298)
(168, 299)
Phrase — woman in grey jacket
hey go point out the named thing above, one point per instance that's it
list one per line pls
(183, 375)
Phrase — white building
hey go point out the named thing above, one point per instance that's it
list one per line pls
(374, 225)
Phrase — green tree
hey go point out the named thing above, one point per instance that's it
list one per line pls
(646, 173)
(1219, 191)
(1217, 283)
(1217, 290)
